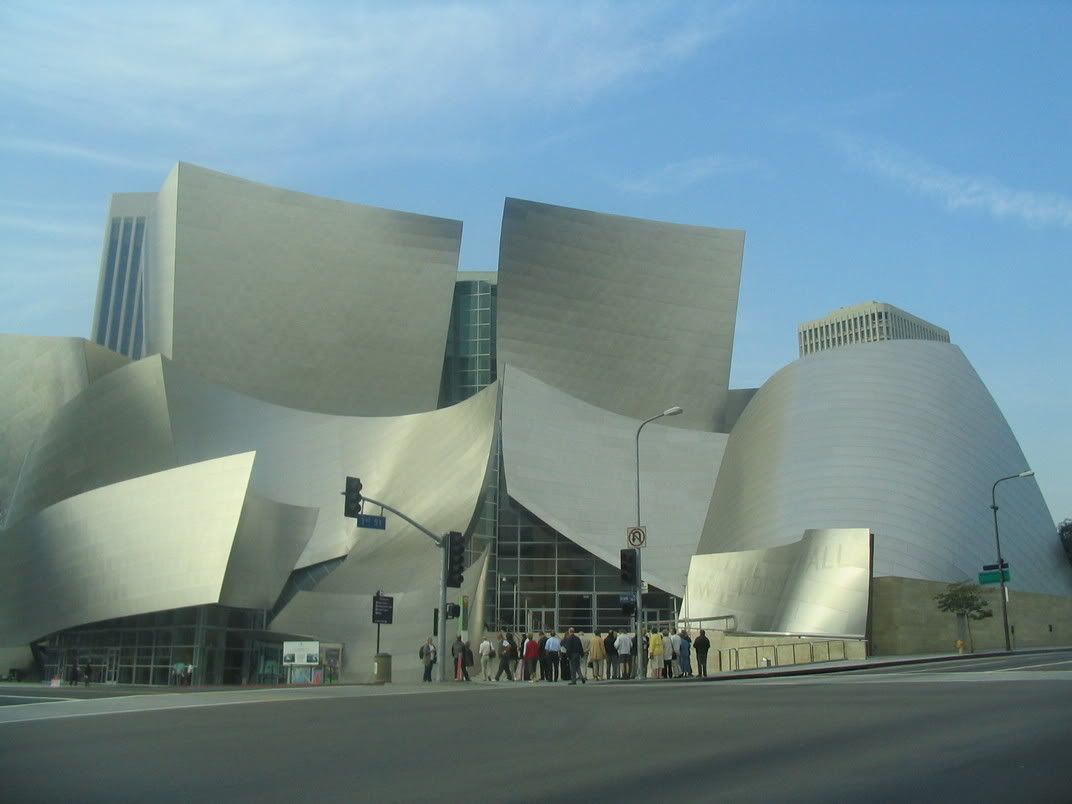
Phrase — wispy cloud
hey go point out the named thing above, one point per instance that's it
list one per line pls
(31, 146)
(50, 226)
(274, 72)
(957, 191)
(678, 176)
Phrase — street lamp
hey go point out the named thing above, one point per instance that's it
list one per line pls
(671, 411)
(1001, 562)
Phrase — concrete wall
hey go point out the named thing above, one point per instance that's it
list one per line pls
(906, 619)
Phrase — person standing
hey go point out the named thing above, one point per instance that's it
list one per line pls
(86, 673)
(612, 654)
(458, 652)
(504, 659)
(514, 654)
(655, 653)
(675, 638)
(685, 654)
(530, 655)
(624, 645)
(427, 654)
(574, 652)
(551, 649)
(487, 652)
(597, 655)
(702, 645)
(668, 655)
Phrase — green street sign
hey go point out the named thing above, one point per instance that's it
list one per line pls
(992, 576)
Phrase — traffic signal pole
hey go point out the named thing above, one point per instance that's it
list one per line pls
(442, 542)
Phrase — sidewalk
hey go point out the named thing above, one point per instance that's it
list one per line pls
(871, 663)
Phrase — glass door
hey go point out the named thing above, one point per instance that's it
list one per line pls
(541, 619)
(111, 666)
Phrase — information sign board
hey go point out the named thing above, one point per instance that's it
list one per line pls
(383, 609)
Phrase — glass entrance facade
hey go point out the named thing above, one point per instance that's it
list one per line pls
(223, 645)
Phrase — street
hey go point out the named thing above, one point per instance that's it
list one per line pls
(983, 729)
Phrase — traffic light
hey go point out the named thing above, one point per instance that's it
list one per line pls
(453, 611)
(629, 566)
(455, 559)
(352, 504)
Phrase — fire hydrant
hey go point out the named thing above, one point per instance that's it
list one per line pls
(960, 646)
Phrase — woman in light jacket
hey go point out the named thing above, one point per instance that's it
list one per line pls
(597, 655)
(655, 653)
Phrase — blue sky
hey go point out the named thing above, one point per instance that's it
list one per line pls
(915, 153)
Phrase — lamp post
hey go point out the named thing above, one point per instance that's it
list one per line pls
(1001, 562)
(671, 411)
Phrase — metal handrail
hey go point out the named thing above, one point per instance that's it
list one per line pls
(733, 655)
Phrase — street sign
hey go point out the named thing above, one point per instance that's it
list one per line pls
(383, 609)
(1004, 565)
(992, 576)
(636, 536)
(371, 521)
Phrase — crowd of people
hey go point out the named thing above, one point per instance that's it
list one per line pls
(570, 657)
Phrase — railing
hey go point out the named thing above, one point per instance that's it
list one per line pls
(777, 651)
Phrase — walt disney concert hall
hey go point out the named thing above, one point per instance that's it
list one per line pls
(170, 486)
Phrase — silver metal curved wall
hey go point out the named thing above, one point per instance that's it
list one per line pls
(627, 314)
(39, 376)
(817, 585)
(901, 437)
(574, 466)
(303, 301)
(184, 537)
(154, 414)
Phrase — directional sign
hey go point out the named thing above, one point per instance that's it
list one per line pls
(371, 521)
(993, 577)
(1004, 565)
(383, 609)
(636, 536)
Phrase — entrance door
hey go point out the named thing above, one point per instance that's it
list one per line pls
(541, 619)
(111, 666)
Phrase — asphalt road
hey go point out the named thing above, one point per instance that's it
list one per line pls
(981, 730)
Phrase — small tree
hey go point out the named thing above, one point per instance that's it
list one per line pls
(964, 600)
(1064, 532)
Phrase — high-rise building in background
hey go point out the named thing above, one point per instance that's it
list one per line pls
(119, 315)
(865, 323)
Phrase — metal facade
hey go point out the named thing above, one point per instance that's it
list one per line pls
(307, 302)
(574, 466)
(818, 585)
(626, 314)
(901, 437)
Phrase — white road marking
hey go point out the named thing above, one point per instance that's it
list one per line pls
(1029, 666)
(38, 698)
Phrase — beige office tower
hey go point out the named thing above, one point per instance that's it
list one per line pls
(865, 323)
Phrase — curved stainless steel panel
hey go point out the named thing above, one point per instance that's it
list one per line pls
(901, 437)
(574, 466)
(627, 314)
(818, 585)
(302, 301)
(156, 542)
(153, 415)
(39, 376)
